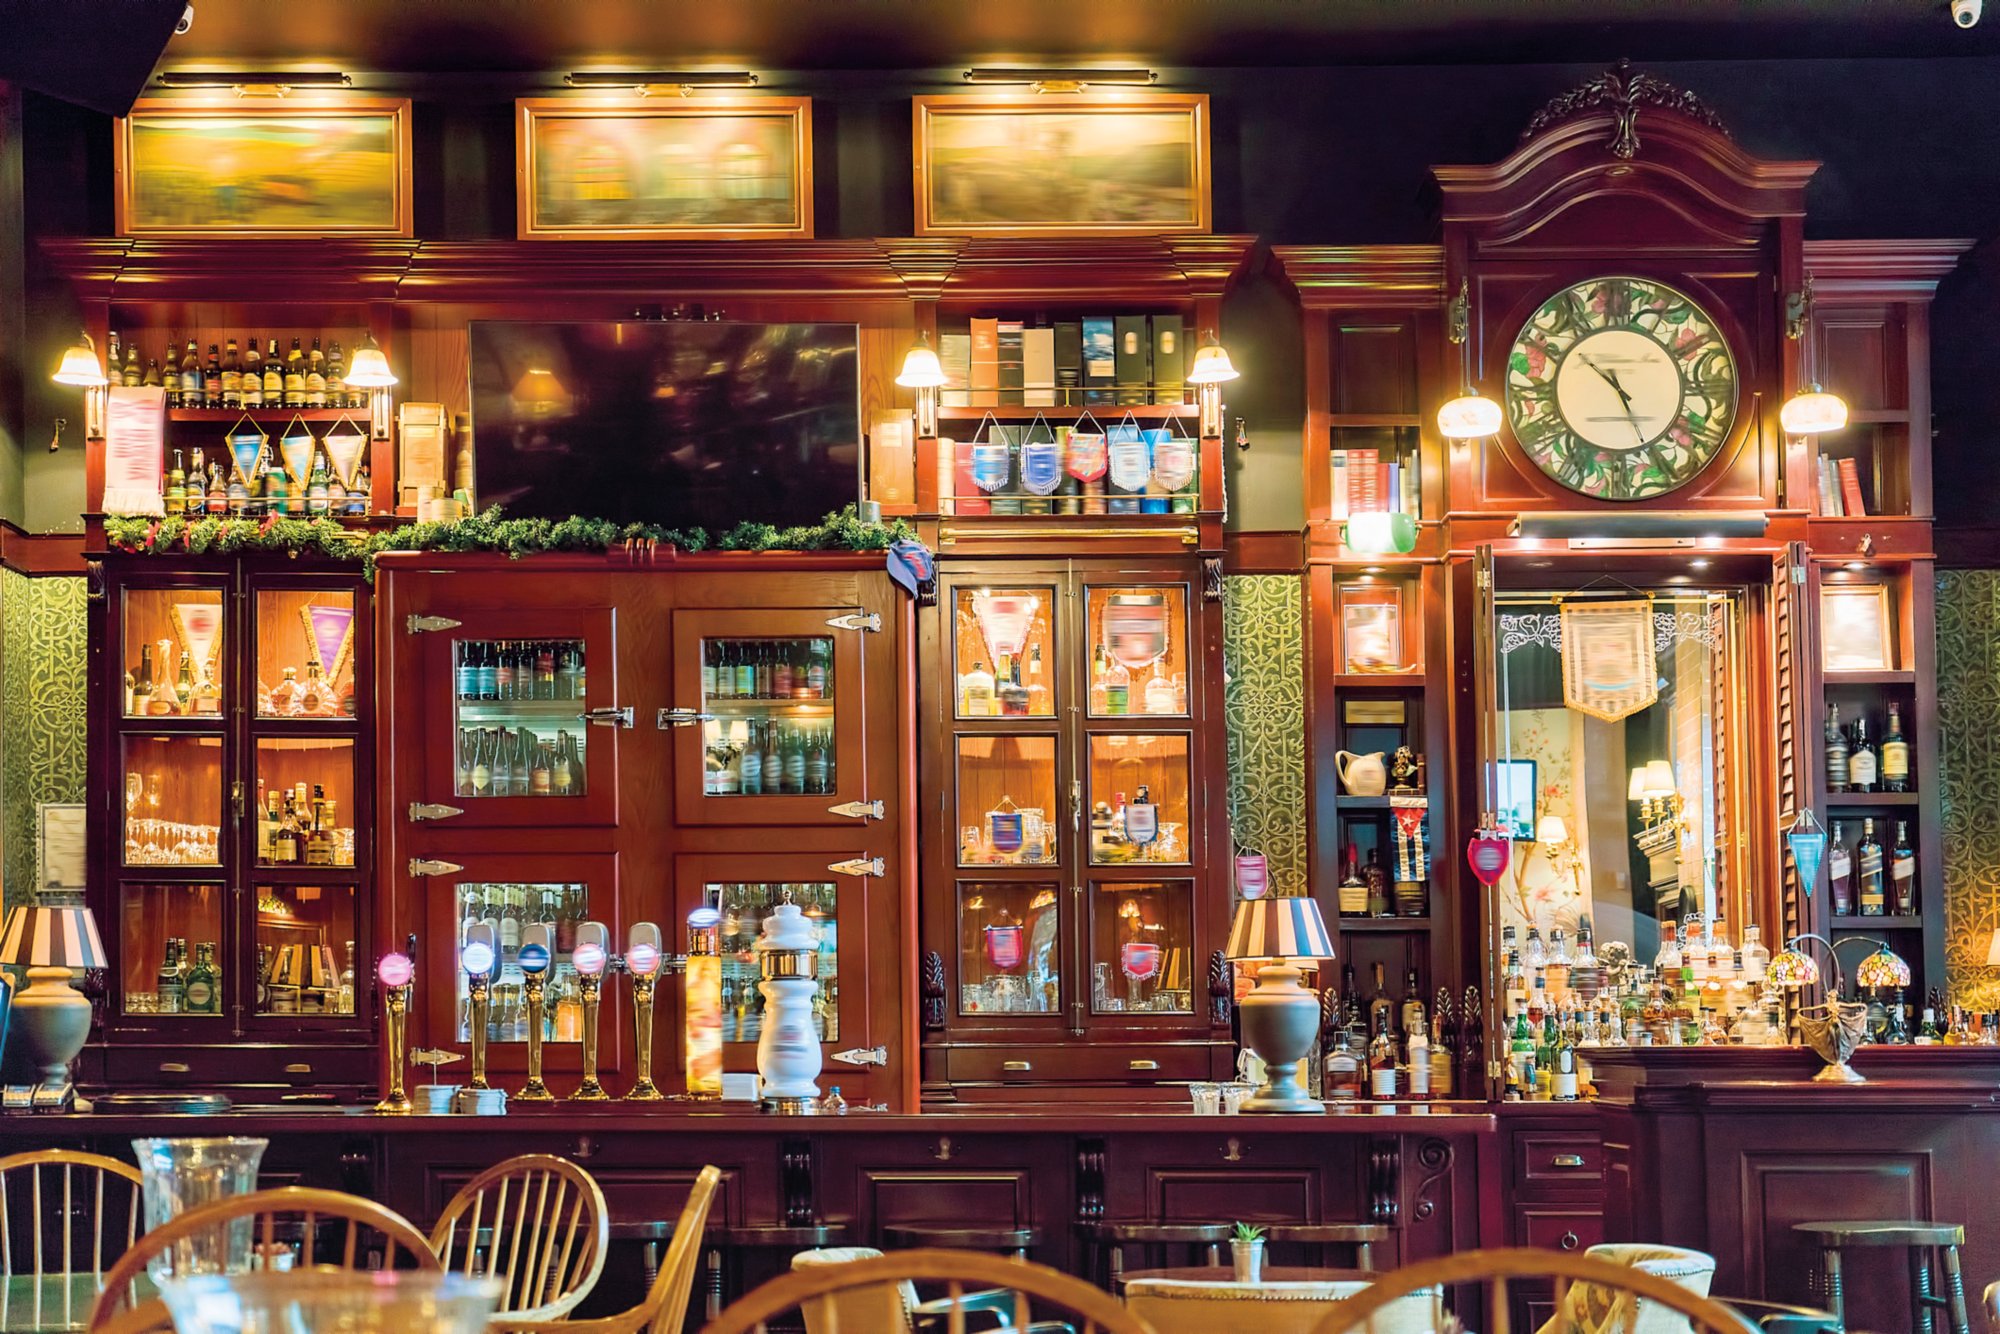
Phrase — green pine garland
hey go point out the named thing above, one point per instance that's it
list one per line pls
(488, 531)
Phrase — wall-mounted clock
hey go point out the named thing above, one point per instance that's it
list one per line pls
(1621, 388)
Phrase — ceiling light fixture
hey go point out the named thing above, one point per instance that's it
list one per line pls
(1472, 415)
(648, 82)
(1059, 80)
(257, 83)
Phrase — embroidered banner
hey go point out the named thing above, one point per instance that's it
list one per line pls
(330, 631)
(135, 430)
(1609, 670)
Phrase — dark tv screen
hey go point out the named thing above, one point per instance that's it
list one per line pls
(685, 424)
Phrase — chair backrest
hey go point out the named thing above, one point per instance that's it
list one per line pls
(535, 1222)
(118, 1312)
(665, 1308)
(1037, 1291)
(1989, 1301)
(64, 1216)
(886, 1308)
(1495, 1270)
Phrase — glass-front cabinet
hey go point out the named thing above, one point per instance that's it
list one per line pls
(1072, 897)
(232, 890)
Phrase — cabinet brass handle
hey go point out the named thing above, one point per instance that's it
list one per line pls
(173, 1067)
(298, 1068)
(1142, 1065)
(1016, 1067)
(1566, 1160)
(1568, 1242)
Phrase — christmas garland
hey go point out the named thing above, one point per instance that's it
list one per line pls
(488, 531)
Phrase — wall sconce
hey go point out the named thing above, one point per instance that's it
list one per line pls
(649, 82)
(81, 368)
(369, 369)
(1470, 416)
(1380, 533)
(261, 83)
(1210, 371)
(923, 372)
(1811, 411)
(1059, 80)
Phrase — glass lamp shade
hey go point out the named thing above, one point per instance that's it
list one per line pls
(1636, 790)
(921, 368)
(1813, 412)
(1279, 928)
(1883, 969)
(1380, 533)
(369, 369)
(79, 367)
(1551, 829)
(1791, 968)
(1211, 364)
(1469, 417)
(1659, 779)
(1993, 950)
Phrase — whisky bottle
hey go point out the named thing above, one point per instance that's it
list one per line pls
(232, 375)
(1840, 871)
(130, 373)
(1895, 754)
(190, 382)
(285, 843)
(1902, 873)
(202, 995)
(1381, 1010)
(1861, 767)
(1837, 769)
(1376, 877)
(1868, 853)
(316, 377)
(1419, 1047)
(294, 379)
(274, 378)
(176, 493)
(336, 377)
(167, 985)
(1382, 1060)
(251, 384)
(1342, 1080)
(1411, 1011)
(1352, 896)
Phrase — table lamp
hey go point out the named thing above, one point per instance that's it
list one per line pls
(1280, 1017)
(50, 1018)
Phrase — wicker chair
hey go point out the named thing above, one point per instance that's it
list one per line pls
(50, 1201)
(537, 1223)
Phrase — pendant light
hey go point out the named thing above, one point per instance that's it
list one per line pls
(1811, 411)
(1470, 416)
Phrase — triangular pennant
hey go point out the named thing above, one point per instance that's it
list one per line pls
(345, 450)
(1808, 843)
(1173, 461)
(296, 449)
(330, 632)
(1087, 456)
(200, 627)
(1131, 458)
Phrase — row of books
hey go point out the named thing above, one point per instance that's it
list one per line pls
(1840, 489)
(1364, 484)
(1105, 360)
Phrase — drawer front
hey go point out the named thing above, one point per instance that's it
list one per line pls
(1078, 1064)
(1559, 1229)
(273, 1070)
(1553, 1158)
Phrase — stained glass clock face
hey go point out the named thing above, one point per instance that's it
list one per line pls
(1621, 388)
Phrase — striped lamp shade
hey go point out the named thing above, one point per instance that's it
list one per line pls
(1278, 928)
(51, 938)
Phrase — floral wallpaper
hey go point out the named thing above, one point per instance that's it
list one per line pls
(42, 674)
(1537, 891)
(1263, 648)
(1968, 671)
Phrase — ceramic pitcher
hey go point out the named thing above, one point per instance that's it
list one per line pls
(1362, 775)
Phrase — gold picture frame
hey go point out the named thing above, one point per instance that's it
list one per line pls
(264, 166)
(639, 168)
(1855, 632)
(1371, 630)
(1041, 164)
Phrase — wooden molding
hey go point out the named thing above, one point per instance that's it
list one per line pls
(1881, 270)
(1333, 277)
(38, 554)
(1263, 553)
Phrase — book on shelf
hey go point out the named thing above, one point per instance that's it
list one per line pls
(1850, 488)
(1012, 371)
(1133, 360)
(1099, 358)
(1169, 359)
(955, 355)
(1069, 360)
(985, 363)
(1363, 483)
(1038, 367)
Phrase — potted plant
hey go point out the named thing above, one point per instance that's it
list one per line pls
(1246, 1252)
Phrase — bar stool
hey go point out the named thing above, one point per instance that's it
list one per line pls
(723, 1243)
(1107, 1242)
(1361, 1237)
(1922, 1240)
(1014, 1241)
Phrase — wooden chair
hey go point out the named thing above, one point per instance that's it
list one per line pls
(1989, 1302)
(68, 1190)
(118, 1309)
(962, 1273)
(665, 1308)
(537, 1223)
(1494, 1270)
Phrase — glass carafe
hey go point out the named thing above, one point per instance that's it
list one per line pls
(181, 1174)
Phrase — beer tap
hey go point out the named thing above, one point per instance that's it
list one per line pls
(478, 957)
(397, 974)
(643, 960)
(592, 952)
(533, 959)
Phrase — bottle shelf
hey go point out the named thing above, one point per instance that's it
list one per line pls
(522, 710)
(1108, 414)
(763, 708)
(1867, 799)
(1913, 923)
(1344, 803)
(1891, 677)
(298, 873)
(266, 416)
(1378, 680)
(1384, 923)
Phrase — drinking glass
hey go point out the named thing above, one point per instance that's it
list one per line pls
(328, 1301)
(1235, 1095)
(1207, 1099)
(181, 1174)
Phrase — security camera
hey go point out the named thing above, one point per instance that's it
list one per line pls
(187, 19)
(1965, 13)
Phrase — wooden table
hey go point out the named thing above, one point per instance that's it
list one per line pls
(61, 1302)
(1272, 1274)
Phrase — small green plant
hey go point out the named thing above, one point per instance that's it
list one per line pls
(1247, 1232)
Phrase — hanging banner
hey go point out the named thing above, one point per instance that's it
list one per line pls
(1253, 875)
(1135, 628)
(1005, 947)
(345, 452)
(246, 447)
(1487, 852)
(1087, 455)
(296, 449)
(135, 450)
(1131, 459)
(330, 632)
(1173, 461)
(1142, 823)
(1609, 670)
(199, 625)
(1007, 831)
(1808, 843)
(1005, 619)
(1041, 466)
(1139, 959)
(991, 466)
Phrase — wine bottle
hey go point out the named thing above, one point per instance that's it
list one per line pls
(1902, 873)
(1895, 754)
(1861, 760)
(1868, 853)
(1837, 769)
(251, 385)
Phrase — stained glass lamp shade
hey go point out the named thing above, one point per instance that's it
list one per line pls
(1882, 969)
(1793, 968)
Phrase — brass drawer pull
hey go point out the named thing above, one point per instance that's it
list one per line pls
(1569, 1241)
(298, 1068)
(1016, 1067)
(173, 1067)
(1142, 1065)
(1566, 1160)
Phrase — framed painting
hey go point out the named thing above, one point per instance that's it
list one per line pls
(1062, 165)
(264, 167)
(636, 168)
(1517, 791)
(1854, 628)
(1371, 629)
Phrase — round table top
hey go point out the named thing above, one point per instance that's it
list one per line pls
(1272, 1274)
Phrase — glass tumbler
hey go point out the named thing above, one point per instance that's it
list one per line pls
(181, 1174)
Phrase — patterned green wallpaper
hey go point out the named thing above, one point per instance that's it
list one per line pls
(1968, 669)
(42, 667)
(1264, 700)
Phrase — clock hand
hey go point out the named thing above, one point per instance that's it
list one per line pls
(1610, 378)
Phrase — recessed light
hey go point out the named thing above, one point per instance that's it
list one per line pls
(1698, 564)
(1371, 569)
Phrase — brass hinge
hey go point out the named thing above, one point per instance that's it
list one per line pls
(667, 718)
(863, 1056)
(858, 810)
(422, 624)
(429, 866)
(431, 810)
(864, 866)
(856, 620)
(607, 715)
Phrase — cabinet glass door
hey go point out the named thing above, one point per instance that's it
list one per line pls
(307, 639)
(768, 718)
(172, 953)
(172, 657)
(1138, 794)
(1142, 947)
(1010, 948)
(1004, 651)
(510, 893)
(307, 958)
(521, 720)
(172, 799)
(1137, 637)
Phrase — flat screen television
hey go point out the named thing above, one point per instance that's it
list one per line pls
(685, 424)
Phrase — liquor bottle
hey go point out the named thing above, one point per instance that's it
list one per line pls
(316, 377)
(344, 998)
(285, 850)
(197, 488)
(184, 688)
(274, 378)
(319, 845)
(130, 374)
(167, 985)
(819, 765)
(232, 375)
(202, 995)
(1838, 772)
(336, 377)
(316, 486)
(1382, 1061)
(114, 357)
(794, 753)
(1376, 877)
(1521, 1055)
(1013, 694)
(782, 685)
(1840, 872)
(1861, 767)
(489, 670)
(819, 674)
(1411, 1012)
(1381, 1010)
(152, 378)
(1100, 662)
(1868, 853)
(1353, 892)
(250, 380)
(482, 763)
(1419, 1045)
(1444, 1047)
(1038, 683)
(1564, 1082)
(564, 774)
(545, 671)
(976, 691)
(190, 383)
(746, 672)
(1756, 956)
(1895, 754)
(1902, 873)
(211, 379)
(1927, 1031)
(1117, 689)
(176, 493)
(1342, 1078)
(1556, 966)
(217, 490)
(1669, 957)
(774, 761)
(751, 765)
(294, 380)
(165, 702)
(142, 683)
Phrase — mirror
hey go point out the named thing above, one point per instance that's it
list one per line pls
(1630, 809)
